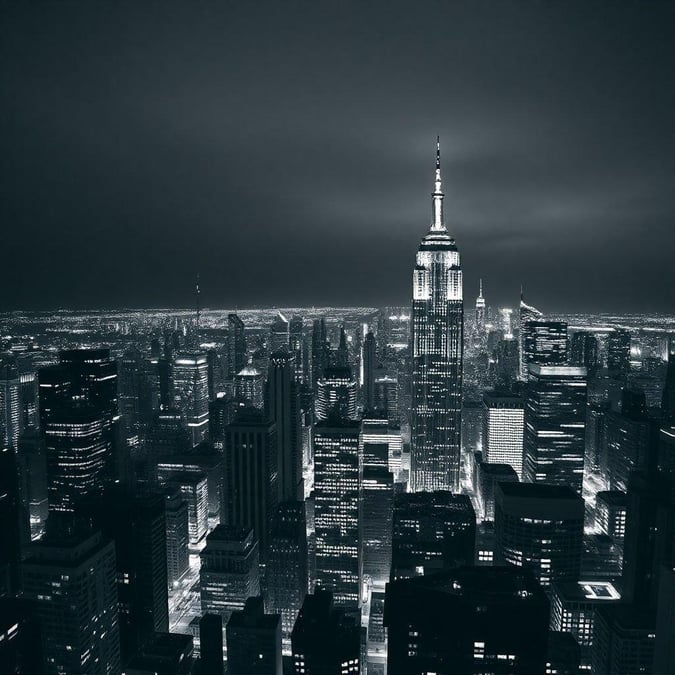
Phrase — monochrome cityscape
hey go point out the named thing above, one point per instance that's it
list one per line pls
(467, 481)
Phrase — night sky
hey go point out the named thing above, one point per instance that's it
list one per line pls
(285, 151)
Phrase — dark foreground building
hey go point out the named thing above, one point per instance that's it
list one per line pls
(468, 621)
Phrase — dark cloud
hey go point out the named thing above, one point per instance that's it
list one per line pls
(285, 150)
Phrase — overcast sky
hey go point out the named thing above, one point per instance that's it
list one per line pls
(285, 151)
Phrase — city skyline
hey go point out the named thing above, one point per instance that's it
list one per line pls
(123, 150)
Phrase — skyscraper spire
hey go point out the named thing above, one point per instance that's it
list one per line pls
(198, 311)
(480, 288)
(437, 224)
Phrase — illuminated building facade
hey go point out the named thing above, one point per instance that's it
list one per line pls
(526, 314)
(236, 345)
(555, 425)
(437, 344)
(503, 430)
(544, 343)
(336, 389)
(336, 508)
(191, 392)
(540, 527)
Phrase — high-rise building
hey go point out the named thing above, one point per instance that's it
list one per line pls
(298, 347)
(386, 397)
(191, 392)
(540, 527)
(506, 363)
(249, 387)
(177, 535)
(211, 644)
(668, 396)
(280, 335)
(526, 314)
(287, 566)
(431, 532)
(336, 498)
(254, 640)
(369, 367)
(11, 417)
(503, 430)
(13, 522)
(283, 408)
(463, 622)
(79, 425)
(236, 345)
(618, 353)
(480, 314)
(195, 491)
(320, 349)
(230, 570)
(136, 524)
(437, 343)
(336, 389)
(251, 492)
(20, 643)
(488, 475)
(555, 425)
(544, 343)
(584, 351)
(324, 640)
(32, 461)
(70, 576)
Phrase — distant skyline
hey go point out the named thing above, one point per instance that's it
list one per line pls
(285, 151)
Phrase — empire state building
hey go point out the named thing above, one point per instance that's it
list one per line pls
(437, 337)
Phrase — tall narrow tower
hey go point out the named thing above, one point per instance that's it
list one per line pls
(437, 326)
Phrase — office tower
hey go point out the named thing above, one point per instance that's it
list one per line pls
(236, 345)
(540, 527)
(177, 535)
(70, 577)
(79, 424)
(20, 643)
(503, 430)
(650, 535)
(526, 314)
(464, 622)
(210, 644)
(584, 352)
(279, 335)
(505, 321)
(595, 462)
(618, 353)
(14, 524)
(283, 408)
(166, 437)
(342, 353)
(324, 640)
(336, 495)
(230, 570)
(437, 342)
(298, 347)
(488, 477)
(135, 393)
(11, 417)
(320, 349)
(432, 531)
(668, 397)
(136, 524)
(386, 398)
(631, 438)
(376, 503)
(254, 641)
(573, 605)
(204, 459)
(506, 363)
(369, 367)
(28, 382)
(336, 389)
(32, 460)
(555, 425)
(251, 490)
(191, 392)
(624, 637)
(165, 653)
(287, 566)
(544, 343)
(195, 491)
(249, 387)
(610, 514)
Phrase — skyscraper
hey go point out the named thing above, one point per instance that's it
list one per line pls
(191, 392)
(236, 345)
(78, 421)
(437, 342)
(479, 317)
(336, 496)
(618, 353)
(11, 417)
(70, 576)
(283, 408)
(584, 351)
(336, 389)
(526, 314)
(369, 365)
(503, 429)
(555, 425)
(544, 343)
(280, 334)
